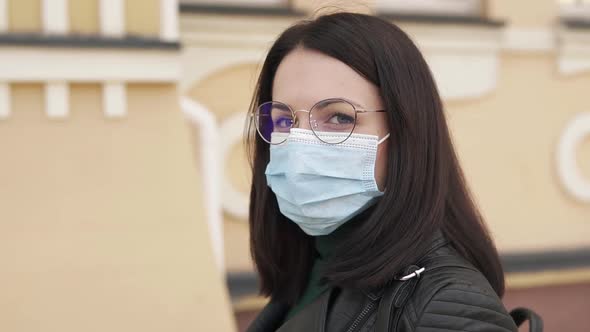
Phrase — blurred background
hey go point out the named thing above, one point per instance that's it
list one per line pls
(124, 183)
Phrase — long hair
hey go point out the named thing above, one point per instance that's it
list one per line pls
(426, 189)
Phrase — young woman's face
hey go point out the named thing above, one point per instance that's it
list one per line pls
(305, 77)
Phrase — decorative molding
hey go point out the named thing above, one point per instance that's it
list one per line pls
(568, 170)
(209, 45)
(529, 39)
(86, 41)
(57, 99)
(114, 97)
(575, 12)
(467, 20)
(462, 42)
(272, 11)
(112, 17)
(200, 62)
(464, 60)
(169, 20)
(3, 16)
(439, 8)
(574, 50)
(5, 100)
(55, 16)
(213, 30)
(19, 64)
(234, 201)
(210, 166)
(465, 76)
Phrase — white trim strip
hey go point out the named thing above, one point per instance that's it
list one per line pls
(447, 7)
(210, 163)
(574, 51)
(5, 102)
(114, 96)
(169, 20)
(568, 170)
(235, 202)
(529, 39)
(3, 15)
(82, 65)
(57, 99)
(575, 10)
(55, 16)
(112, 17)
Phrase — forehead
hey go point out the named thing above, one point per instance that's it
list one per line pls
(305, 76)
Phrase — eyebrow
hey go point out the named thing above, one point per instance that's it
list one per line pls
(348, 100)
(353, 102)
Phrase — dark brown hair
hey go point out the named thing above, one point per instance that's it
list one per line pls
(426, 187)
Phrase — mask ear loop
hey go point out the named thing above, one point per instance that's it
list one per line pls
(383, 139)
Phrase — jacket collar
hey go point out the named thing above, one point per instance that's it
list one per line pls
(272, 315)
(311, 318)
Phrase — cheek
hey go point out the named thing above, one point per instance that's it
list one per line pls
(381, 165)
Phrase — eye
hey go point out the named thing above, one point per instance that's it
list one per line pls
(284, 122)
(340, 118)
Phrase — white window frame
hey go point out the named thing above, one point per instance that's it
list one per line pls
(574, 9)
(432, 7)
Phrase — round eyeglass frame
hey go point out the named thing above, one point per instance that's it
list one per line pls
(356, 111)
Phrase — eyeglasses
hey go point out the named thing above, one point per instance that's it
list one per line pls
(274, 120)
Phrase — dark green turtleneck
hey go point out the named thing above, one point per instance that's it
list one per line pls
(324, 245)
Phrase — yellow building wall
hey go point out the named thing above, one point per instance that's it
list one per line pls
(507, 143)
(142, 17)
(102, 223)
(524, 13)
(84, 16)
(24, 16)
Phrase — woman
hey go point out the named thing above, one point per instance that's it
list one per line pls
(360, 217)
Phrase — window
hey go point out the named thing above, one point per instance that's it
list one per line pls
(432, 7)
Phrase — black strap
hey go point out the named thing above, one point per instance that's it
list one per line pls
(394, 298)
(521, 314)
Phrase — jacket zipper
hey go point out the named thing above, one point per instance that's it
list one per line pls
(362, 316)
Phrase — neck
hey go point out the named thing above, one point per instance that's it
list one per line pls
(327, 244)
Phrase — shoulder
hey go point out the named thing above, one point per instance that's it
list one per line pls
(455, 296)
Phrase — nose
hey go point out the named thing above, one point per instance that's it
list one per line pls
(301, 119)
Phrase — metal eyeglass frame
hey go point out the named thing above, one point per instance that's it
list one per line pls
(356, 111)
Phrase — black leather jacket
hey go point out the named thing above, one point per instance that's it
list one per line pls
(449, 295)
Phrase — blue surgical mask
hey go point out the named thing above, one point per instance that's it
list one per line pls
(320, 186)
